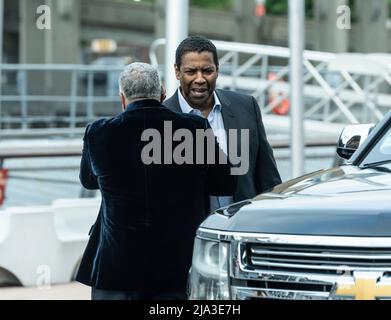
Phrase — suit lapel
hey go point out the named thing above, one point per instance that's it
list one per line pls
(230, 120)
(173, 103)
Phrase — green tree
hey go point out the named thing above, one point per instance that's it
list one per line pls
(212, 4)
(280, 7)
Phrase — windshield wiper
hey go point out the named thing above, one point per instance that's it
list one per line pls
(382, 169)
(375, 164)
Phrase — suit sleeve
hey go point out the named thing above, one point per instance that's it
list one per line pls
(220, 182)
(86, 175)
(266, 174)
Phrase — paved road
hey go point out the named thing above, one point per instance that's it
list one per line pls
(70, 291)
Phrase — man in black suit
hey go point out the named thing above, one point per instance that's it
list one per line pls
(196, 67)
(141, 244)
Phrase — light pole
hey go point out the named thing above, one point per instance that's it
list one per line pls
(177, 26)
(296, 43)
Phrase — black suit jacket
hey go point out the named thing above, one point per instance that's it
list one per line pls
(143, 237)
(242, 112)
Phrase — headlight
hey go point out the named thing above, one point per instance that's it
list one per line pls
(209, 271)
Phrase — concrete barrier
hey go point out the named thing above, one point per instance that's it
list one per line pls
(43, 245)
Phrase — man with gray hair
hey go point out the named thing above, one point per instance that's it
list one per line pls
(140, 246)
(147, 86)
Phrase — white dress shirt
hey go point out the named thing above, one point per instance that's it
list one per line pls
(215, 119)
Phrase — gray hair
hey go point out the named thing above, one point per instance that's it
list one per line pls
(140, 80)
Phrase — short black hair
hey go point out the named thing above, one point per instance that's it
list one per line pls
(195, 44)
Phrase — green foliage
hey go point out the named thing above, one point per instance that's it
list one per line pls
(277, 7)
(280, 7)
(212, 4)
(273, 7)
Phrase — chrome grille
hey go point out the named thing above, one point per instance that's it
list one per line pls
(315, 259)
(303, 267)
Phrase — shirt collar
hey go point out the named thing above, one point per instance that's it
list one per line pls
(186, 108)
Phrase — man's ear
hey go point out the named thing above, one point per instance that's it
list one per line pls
(163, 94)
(177, 72)
(123, 101)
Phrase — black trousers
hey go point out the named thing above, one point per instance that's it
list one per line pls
(101, 294)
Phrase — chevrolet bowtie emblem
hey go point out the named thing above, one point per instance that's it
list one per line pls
(366, 286)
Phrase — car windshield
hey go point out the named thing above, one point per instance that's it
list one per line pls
(381, 153)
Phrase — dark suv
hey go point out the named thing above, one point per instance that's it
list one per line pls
(325, 235)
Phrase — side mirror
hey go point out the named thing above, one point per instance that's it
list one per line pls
(351, 138)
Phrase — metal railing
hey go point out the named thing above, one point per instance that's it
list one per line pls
(42, 100)
(59, 98)
(338, 88)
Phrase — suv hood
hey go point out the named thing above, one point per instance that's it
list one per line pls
(342, 201)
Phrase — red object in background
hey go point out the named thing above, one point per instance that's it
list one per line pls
(260, 10)
(282, 107)
(3, 183)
